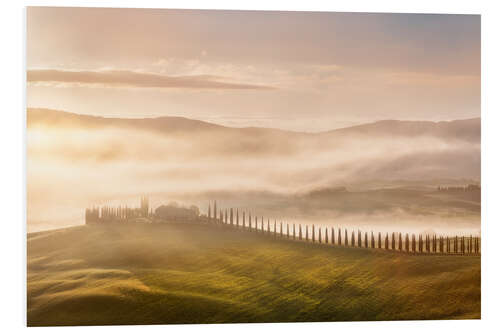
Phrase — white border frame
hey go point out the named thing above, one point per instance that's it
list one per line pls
(13, 193)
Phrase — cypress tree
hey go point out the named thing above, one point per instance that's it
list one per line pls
(244, 220)
(326, 235)
(300, 231)
(275, 228)
(413, 247)
(407, 243)
(215, 210)
(379, 240)
(249, 221)
(400, 242)
(463, 245)
(386, 241)
(346, 239)
(312, 233)
(366, 239)
(372, 240)
(353, 242)
(231, 216)
(294, 231)
(256, 224)
(340, 237)
(456, 244)
(262, 230)
(359, 238)
(447, 244)
(307, 232)
(393, 242)
(209, 211)
(333, 236)
(237, 218)
(287, 231)
(268, 227)
(281, 229)
(319, 235)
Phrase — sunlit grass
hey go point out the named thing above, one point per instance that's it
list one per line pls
(151, 274)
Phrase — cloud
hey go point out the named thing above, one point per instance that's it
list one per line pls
(124, 78)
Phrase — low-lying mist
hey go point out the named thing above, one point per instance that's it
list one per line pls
(278, 174)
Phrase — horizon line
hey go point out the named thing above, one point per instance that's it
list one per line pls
(245, 127)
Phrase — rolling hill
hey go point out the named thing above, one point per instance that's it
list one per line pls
(180, 273)
(467, 129)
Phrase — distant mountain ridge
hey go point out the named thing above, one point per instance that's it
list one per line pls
(465, 129)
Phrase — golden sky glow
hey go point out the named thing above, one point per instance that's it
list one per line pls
(293, 70)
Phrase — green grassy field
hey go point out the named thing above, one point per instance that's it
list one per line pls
(178, 273)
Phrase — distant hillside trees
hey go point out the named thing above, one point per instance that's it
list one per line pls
(468, 188)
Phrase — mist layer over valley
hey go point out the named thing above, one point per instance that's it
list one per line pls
(382, 175)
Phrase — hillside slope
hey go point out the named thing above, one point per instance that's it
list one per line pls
(175, 273)
(464, 129)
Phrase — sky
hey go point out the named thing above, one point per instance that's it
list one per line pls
(303, 71)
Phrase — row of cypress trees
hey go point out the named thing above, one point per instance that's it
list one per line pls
(393, 241)
(113, 214)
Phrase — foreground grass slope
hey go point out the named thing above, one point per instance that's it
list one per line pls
(177, 273)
